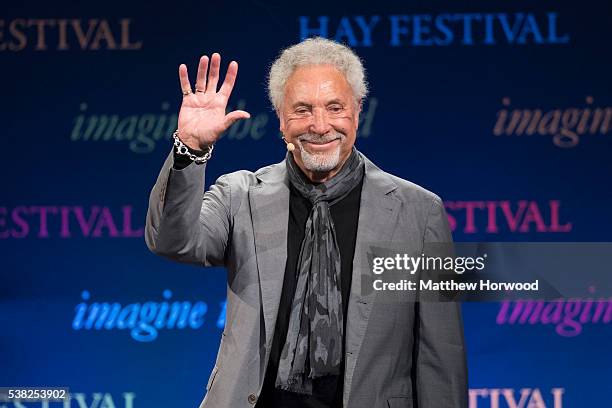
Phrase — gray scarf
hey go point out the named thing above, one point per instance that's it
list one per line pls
(313, 347)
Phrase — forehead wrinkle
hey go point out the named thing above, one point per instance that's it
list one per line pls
(323, 91)
(317, 82)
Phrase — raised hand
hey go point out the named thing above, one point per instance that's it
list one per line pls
(202, 117)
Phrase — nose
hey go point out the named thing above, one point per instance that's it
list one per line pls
(320, 123)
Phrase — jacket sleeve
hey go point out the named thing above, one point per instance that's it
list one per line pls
(441, 368)
(184, 223)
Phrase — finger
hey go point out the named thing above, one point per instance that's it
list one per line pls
(184, 79)
(213, 77)
(233, 116)
(200, 84)
(230, 79)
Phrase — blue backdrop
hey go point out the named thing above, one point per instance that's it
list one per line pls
(503, 109)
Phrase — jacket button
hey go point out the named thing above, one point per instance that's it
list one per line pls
(252, 398)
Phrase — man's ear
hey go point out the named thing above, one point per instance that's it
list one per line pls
(358, 111)
(281, 121)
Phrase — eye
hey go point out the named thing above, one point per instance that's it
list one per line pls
(302, 109)
(335, 108)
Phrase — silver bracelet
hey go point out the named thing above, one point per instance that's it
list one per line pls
(183, 150)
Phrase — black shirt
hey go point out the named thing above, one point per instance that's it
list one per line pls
(327, 391)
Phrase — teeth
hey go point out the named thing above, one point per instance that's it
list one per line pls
(321, 142)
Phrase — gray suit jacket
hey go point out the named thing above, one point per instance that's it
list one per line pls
(398, 353)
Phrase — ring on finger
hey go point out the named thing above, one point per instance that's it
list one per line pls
(200, 90)
(186, 92)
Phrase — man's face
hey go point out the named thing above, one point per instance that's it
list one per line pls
(320, 117)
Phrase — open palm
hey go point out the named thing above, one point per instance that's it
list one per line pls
(202, 117)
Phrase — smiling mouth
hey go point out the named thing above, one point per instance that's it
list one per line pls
(320, 143)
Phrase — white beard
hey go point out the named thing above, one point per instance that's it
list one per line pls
(320, 162)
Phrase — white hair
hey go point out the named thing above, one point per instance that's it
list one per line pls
(315, 51)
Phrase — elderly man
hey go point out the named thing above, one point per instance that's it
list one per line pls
(301, 329)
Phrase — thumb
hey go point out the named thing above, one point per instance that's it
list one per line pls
(233, 116)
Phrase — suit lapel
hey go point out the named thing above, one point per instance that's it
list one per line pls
(378, 213)
(269, 202)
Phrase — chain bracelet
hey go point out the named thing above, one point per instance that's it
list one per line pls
(183, 150)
